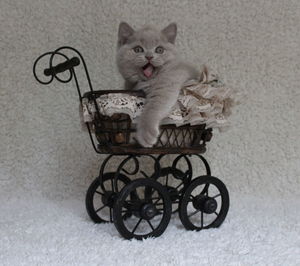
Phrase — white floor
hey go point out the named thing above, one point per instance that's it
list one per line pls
(35, 230)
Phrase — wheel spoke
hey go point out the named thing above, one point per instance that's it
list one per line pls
(133, 201)
(179, 185)
(136, 226)
(98, 192)
(180, 190)
(193, 213)
(112, 184)
(134, 197)
(156, 198)
(130, 206)
(127, 206)
(126, 216)
(167, 177)
(144, 174)
(101, 208)
(137, 195)
(216, 213)
(110, 215)
(150, 225)
(152, 192)
(205, 189)
(218, 195)
(201, 219)
(191, 198)
(156, 202)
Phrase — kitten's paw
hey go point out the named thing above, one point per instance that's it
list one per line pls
(147, 136)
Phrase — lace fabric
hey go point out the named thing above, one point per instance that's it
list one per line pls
(208, 101)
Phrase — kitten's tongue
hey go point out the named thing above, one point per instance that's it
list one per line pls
(148, 71)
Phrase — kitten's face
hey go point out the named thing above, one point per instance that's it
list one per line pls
(143, 53)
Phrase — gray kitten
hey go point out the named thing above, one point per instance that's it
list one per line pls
(147, 59)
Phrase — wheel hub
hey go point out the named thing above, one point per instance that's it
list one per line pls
(108, 198)
(148, 211)
(205, 204)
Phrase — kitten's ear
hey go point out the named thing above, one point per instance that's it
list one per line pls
(170, 32)
(125, 31)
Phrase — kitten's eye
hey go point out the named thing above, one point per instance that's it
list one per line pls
(159, 50)
(138, 49)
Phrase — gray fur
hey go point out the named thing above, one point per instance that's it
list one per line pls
(168, 77)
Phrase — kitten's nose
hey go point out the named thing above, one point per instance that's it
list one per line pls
(149, 57)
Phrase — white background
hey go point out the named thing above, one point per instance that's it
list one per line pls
(253, 45)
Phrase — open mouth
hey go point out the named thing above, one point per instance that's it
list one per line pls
(148, 70)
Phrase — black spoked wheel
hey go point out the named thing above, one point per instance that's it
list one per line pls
(204, 204)
(174, 181)
(151, 213)
(100, 197)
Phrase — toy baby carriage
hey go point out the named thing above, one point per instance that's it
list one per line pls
(139, 202)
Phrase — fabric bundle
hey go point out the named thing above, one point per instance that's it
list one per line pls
(206, 102)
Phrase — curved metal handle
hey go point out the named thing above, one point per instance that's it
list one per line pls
(68, 65)
(62, 66)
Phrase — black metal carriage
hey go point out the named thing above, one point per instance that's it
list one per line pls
(142, 207)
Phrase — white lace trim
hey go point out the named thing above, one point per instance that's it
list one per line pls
(206, 102)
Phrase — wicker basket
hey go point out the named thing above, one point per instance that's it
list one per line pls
(116, 133)
(114, 130)
(118, 130)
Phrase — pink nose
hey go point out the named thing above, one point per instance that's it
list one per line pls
(149, 57)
